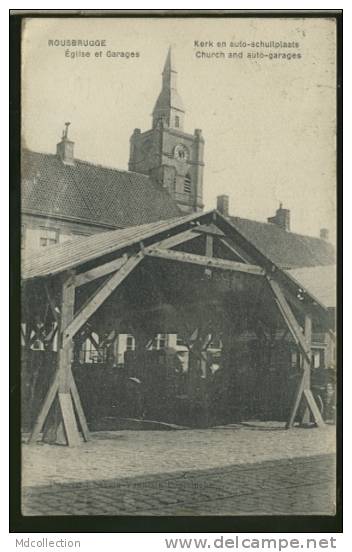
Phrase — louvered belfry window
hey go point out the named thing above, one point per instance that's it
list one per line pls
(187, 184)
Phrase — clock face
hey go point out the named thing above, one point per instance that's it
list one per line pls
(181, 153)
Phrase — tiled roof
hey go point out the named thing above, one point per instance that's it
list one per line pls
(117, 199)
(286, 249)
(320, 281)
(91, 193)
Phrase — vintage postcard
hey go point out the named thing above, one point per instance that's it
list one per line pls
(178, 265)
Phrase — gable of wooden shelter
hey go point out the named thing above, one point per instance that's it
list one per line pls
(77, 282)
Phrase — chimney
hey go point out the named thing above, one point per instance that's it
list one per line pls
(282, 218)
(64, 149)
(324, 234)
(222, 204)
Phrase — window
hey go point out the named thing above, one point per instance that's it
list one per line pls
(318, 358)
(177, 121)
(130, 345)
(91, 352)
(187, 184)
(159, 342)
(179, 341)
(48, 236)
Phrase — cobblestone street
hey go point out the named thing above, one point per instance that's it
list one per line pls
(248, 469)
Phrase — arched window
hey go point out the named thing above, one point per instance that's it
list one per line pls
(187, 184)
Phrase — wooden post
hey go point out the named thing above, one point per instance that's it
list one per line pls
(307, 366)
(61, 425)
(209, 245)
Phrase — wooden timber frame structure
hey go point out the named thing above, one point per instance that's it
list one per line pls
(70, 283)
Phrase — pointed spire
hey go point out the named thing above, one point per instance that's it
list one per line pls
(169, 62)
(169, 71)
(169, 107)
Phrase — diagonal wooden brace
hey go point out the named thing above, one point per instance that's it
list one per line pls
(103, 292)
(303, 341)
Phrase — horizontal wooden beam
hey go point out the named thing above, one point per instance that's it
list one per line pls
(209, 262)
(104, 291)
(99, 271)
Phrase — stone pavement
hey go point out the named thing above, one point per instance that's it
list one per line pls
(131, 453)
(303, 486)
(186, 472)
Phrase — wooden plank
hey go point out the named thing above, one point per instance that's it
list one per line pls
(210, 229)
(235, 250)
(66, 349)
(304, 392)
(53, 307)
(56, 422)
(99, 271)
(172, 241)
(63, 384)
(23, 334)
(296, 403)
(44, 411)
(209, 243)
(290, 319)
(99, 297)
(312, 405)
(209, 262)
(79, 410)
(69, 419)
(306, 364)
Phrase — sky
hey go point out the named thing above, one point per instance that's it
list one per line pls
(269, 124)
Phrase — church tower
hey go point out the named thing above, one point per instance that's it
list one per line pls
(172, 157)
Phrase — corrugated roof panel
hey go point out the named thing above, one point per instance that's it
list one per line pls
(80, 250)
